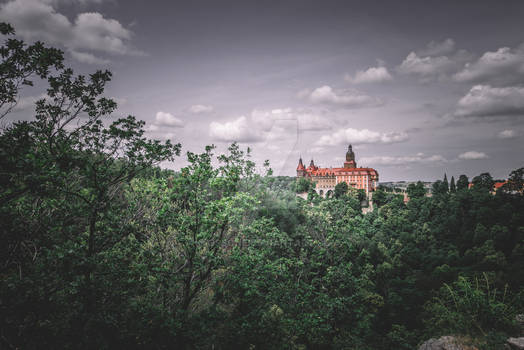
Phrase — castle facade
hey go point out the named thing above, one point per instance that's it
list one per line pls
(327, 178)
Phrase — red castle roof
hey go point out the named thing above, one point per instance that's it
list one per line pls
(341, 171)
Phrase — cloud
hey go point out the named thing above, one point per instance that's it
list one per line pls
(484, 101)
(504, 66)
(306, 121)
(167, 119)
(238, 130)
(438, 60)
(426, 67)
(90, 31)
(472, 155)
(371, 75)
(72, 2)
(507, 134)
(197, 109)
(403, 160)
(343, 98)
(362, 136)
(265, 120)
(88, 58)
(436, 48)
(268, 125)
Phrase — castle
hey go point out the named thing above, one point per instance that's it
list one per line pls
(327, 178)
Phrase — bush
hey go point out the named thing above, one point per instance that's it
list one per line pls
(472, 307)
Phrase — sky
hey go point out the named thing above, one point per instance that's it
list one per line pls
(419, 88)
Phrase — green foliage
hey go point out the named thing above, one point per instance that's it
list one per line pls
(483, 182)
(515, 180)
(101, 248)
(416, 190)
(439, 187)
(341, 189)
(303, 185)
(445, 184)
(20, 63)
(462, 183)
(452, 187)
(473, 307)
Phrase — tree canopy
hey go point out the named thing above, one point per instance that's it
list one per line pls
(101, 248)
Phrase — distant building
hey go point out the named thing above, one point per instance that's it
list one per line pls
(498, 185)
(327, 178)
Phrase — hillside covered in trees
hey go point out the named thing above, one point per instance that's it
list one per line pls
(102, 249)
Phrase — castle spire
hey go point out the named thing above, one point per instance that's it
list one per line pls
(300, 168)
(350, 158)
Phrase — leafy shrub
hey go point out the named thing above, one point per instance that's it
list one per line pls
(473, 307)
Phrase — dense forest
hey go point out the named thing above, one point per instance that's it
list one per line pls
(102, 249)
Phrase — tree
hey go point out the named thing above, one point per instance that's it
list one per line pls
(19, 63)
(361, 195)
(515, 180)
(438, 188)
(341, 189)
(416, 190)
(462, 183)
(483, 182)
(445, 184)
(63, 177)
(452, 187)
(303, 185)
(380, 198)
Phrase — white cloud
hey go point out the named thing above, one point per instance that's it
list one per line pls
(436, 48)
(345, 98)
(371, 75)
(167, 119)
(88, 58)
(238, 130)
(472, 155)
(438, 60)
(484, 100)
(312, 122)
(200, 109)
(426, 67)
(265, 120)
(38, 20)
(402, 160)
(504, 66)
(507, 134)
(268, 125)
(93, 31)
(306, 121)
(362, 136)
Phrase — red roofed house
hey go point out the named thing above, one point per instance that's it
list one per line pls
(497, 185)
(327, 178)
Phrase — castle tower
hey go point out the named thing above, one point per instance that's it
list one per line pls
(301, 170)
(350, 159)
(312, 166)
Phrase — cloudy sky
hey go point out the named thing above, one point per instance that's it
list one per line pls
(419, 88)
